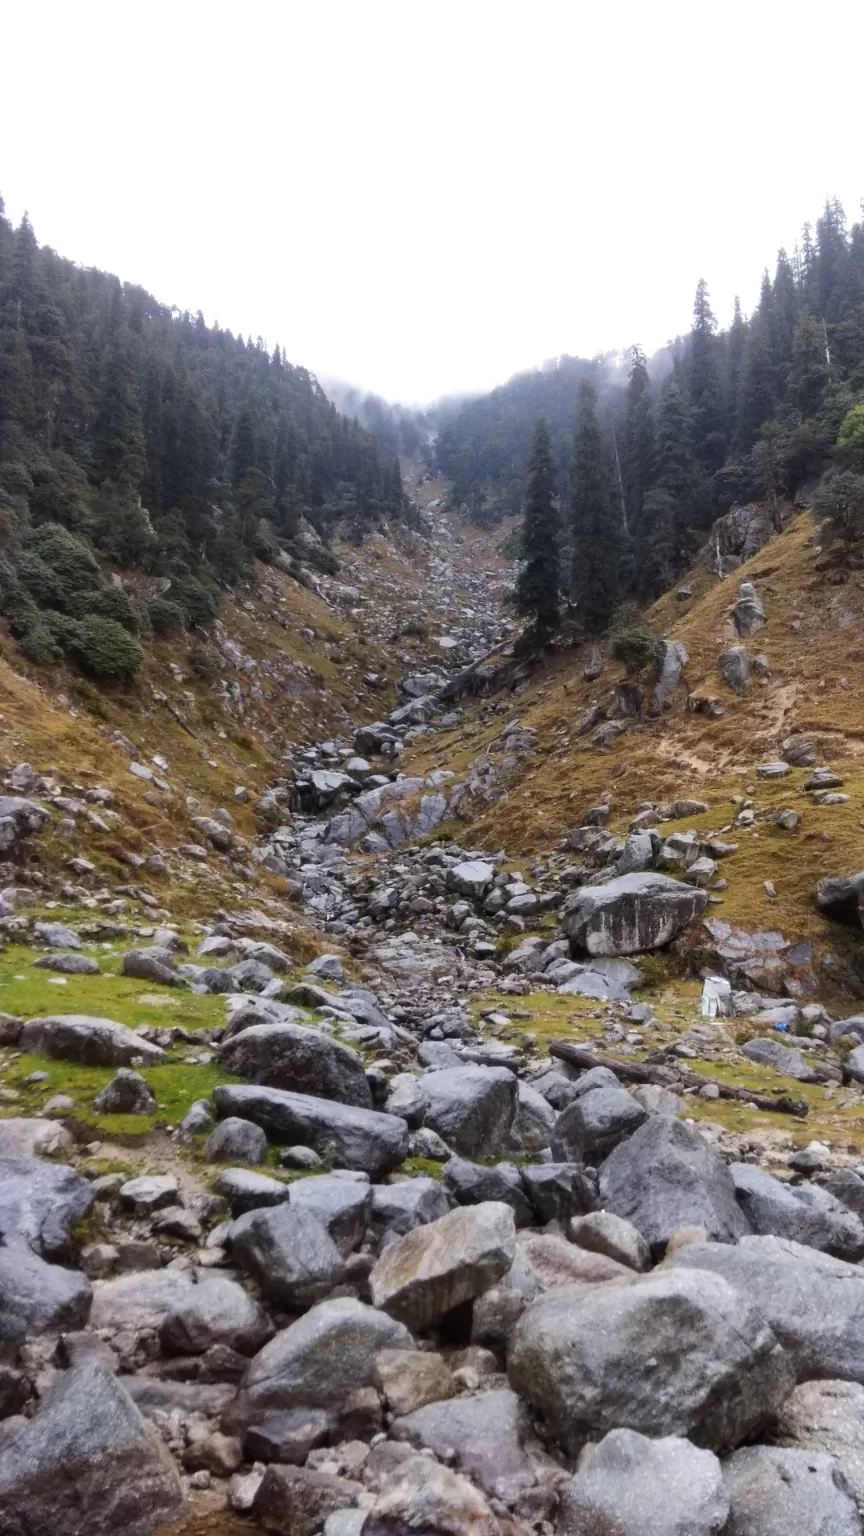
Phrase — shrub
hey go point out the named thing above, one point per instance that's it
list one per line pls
(199, 603)
(841, 500)
(204, 663)
(43, 583)
(108, 603)
(850, 438)
(20, 609)
(38, 646)
(107, 651)
(632, 642)
(68, 558)
(65, 630)
(166, 617)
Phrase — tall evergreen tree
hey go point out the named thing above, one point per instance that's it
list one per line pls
(756, 397)
(637, 458)
(595, 521)
(670, 505)
(539, 579)
(736, 342)
(706, 392)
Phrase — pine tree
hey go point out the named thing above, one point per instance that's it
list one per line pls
(595, 524)
(671, 504)
(756, 398)
(539, 579)
(736, 342)
(704, 383)
(637, 457)
(784, 319)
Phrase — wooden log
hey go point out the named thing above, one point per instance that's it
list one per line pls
(674, 1078)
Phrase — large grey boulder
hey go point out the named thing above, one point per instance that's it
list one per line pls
(21, 1136)
(559, 1190)
(594, 1123)
(734, 663)
(36, 1297)
(247, 1190)
(472, 1108)
(827, 1416)
(473, 1183)
(88, 1464)
(293, 1258)
(841, 897)
(40, 1204)
(342, 1207)
(139, 1303)
(535, 1119)
(304, 1060)
(236, 1141)
(156, 964)
(216, 1311)
(813, 1303)
(630, 914)
(748, 613)
(471, 878)
(777, 1492)
(92, 1042)
(411, 1203)
(126, 1094)
(667, 1176)
(649, 1354)
(781, 1058)
(318, 1360)
(435, 1268)
(21, 818)
(483, 1436)
(630, 1485)
(358, 1138)
(803, 1212)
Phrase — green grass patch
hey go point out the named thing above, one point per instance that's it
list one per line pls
(30, 993)
(173, 1084)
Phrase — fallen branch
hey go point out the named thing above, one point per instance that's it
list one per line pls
(674, 1077)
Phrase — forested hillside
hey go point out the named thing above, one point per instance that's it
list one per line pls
(400, 430)
(717, 417)
(135, 435)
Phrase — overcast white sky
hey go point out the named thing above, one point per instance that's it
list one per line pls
(423, 196)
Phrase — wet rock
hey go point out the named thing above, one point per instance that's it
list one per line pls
(472, 1108)
(293, 1258)
(360, 1138)
(630, 914)
(86, 1465)
(778, 1492)
(92, 1042)
(667, 1176)
(630, 1485)
(126, 1094)
(216, 1311)
(436, 1267)
(651, 1355)
(318, 1360)
(236, 1141)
